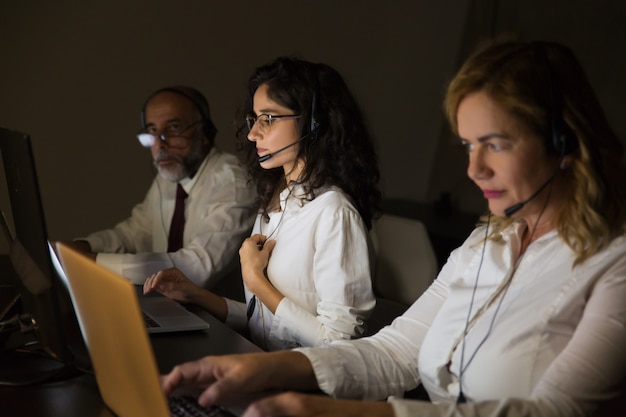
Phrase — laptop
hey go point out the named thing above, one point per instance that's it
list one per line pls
(112, 325)
(160, 314)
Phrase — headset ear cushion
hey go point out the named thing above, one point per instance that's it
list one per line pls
(209, 129)
(563, 139)
(314, 127)
(198, 100)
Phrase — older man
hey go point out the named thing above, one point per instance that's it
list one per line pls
(198, 209)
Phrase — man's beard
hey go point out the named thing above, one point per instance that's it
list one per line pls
(186, 166)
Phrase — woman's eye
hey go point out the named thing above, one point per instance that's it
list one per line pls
(495, 147)
(467, 146)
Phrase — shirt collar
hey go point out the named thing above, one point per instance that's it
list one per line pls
(188, 183)
(294, 196)
(516, 230)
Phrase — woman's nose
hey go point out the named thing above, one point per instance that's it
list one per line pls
(477, 167)
(254, 133)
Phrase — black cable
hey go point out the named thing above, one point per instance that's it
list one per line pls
(461, 398)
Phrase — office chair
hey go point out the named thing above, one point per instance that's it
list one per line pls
(405, 266)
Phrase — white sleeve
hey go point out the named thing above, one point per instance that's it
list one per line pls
(217, 222)
(131, 235)
(236, 317)
(385, 364)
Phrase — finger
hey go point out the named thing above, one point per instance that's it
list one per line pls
(158, 280)
(216, 393)
(269, 246)
(258, 240)
(189, 373)
(147, 285)
(171, 381)
(287, 404)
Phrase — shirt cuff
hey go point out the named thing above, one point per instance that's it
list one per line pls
(110, 261)
(236, 317)
(324, 363)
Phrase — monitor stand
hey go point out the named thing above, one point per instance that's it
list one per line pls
(24, 367)
(23, 361)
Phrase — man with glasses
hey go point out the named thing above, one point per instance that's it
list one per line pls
(199, 208)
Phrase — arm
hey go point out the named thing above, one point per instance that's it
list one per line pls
(127, 238)
(227, 379)
(385, 364)
(379, 366)
(80, 246)
(219, 216)
(224, 377)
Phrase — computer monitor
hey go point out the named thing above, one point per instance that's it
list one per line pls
(45, 343)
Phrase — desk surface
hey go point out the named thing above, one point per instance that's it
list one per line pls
(79, 396)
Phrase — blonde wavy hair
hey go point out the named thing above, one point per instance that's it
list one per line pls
(518, 76)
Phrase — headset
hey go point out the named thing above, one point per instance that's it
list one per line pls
(563, 140)
(311, 132)
(198, 100)
(314, 125)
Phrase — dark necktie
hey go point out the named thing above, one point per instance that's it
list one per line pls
(175, 240)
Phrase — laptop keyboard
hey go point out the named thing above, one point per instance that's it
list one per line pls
(149, 321)
(189, 407)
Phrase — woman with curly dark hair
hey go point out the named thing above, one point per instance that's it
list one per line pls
(334, 146)
(307, 266)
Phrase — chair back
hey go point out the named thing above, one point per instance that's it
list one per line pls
(405, 260)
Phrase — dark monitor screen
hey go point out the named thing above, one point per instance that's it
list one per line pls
(45, 302)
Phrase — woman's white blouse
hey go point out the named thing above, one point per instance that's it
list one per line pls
(554, 344)
(321, 264)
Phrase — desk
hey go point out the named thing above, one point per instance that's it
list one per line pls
(80, 396)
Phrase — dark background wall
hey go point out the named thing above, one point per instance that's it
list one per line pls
(74, 75)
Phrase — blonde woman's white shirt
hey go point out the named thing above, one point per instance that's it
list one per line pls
(321, 264)
(557, 344)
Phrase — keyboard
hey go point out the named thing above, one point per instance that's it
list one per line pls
(188, 407)
(149, 321)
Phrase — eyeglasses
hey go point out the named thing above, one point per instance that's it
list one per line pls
(265, 120)
(172, 136)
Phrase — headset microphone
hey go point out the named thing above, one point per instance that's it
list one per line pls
(312, 129)
(508, 212)
(269, 155)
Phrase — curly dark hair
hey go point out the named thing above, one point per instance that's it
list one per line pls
(339, 152)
